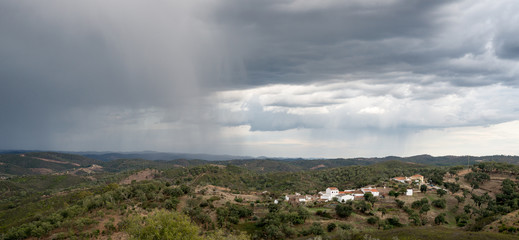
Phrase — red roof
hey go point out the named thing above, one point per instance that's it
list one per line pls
(333, 188)
(399, 178)
(417, 175)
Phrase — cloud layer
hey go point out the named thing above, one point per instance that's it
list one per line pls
(337, 78)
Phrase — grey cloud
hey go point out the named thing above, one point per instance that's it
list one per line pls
(63, 61)
(79, 69)
(358, 40)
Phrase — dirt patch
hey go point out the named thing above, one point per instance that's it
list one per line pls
(217, 165)
(54, 161)
(88, 170)
(1, 163)
(225, 194)
(41, 170)
(147, 174)
(318, 166)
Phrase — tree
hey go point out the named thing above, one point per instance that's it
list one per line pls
(439, 203)
(343, 210)
(399, 203)
(460, 199)
(423, 188)
(425, 208)
(370, 198)
(383, 211)
(162, 225)
(441, 192)
(363, 206)
(331, 227)
(373, 220)
(440, 219)
(394, 193)
(415, 219)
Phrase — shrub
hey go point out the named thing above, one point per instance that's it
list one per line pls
(162, 225)
(373, 220)
(439, 203)
(343, 210)
(331, 227)
(440, 219)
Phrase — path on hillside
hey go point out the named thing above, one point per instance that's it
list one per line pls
(52, 161)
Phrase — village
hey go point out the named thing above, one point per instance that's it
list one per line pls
(413, 184)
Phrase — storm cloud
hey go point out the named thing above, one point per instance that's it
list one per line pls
(337, 78)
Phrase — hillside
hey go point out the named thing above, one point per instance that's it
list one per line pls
(42, 163)
(226, 201)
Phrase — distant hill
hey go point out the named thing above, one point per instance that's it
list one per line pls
(24, 163)
(158, 156)
(42, 163)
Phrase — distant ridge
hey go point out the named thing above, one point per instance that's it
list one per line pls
(150, 155)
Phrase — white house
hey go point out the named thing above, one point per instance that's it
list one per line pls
(409, 192)
(345, 197)
(331, 192)
(373, 191)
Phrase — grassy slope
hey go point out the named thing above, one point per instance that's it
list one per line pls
(436, 232)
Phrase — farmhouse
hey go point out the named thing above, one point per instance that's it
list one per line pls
(331, 192)
(417, 178)
(345, 197)
(298, 198)
(399, 179)
(373, 191)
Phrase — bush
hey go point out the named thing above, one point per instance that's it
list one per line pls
(440, 219)
(162, 225)
(316, 229)
(331, 227)
(462, 220)
(373, 220)
(343, 210)
(345, 226)
(394, 221)
(439, 203)
(171, 204)
(399, 203)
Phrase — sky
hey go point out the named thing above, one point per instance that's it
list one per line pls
(279, 78)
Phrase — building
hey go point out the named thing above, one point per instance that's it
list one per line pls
(399, 179)
(331, 192)
(345, 197)
(409, 192)
(417, 178)
(373, 191)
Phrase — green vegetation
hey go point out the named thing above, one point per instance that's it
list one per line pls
(225, 201)
(162, 225)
